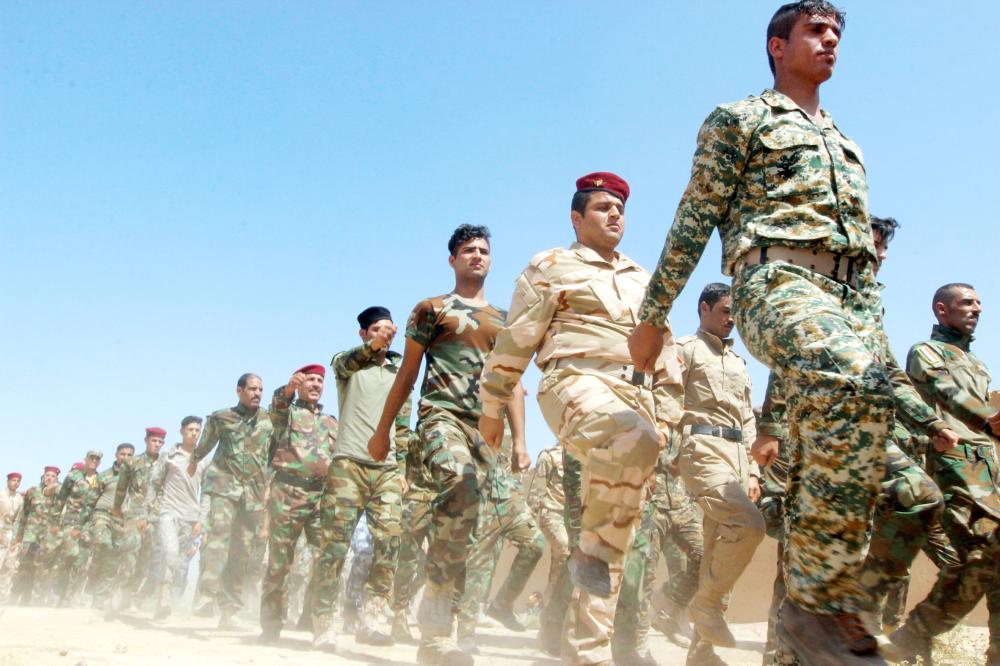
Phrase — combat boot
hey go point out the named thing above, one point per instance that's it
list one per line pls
(368, 635)
(590, 574)
(550, 641)
(826, 640)
(710, 623)
(205, 609)
(906, 643)
(505, 616)
(228, 621)
(401, 628)
(324, 636)
(442, 652)
(702, 653)
(669, 622)
(269, 635)
(634, 658)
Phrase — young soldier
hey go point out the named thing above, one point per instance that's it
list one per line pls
(575, 308)
(788, 193)
(303, 443)
(455, 332)
(38, 535)
(106, 532)
(11, 502)
(234, 484)
(78, 497)
(357, 483)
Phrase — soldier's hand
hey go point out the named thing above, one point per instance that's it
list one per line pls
(520, 460)
(383, 338)
(404, 486)
(645, 345)
(753, 489)
(764, 449)
(196, 530)
(192, 468)
(378, 445)
(946, 439)
(492, 430)
(294, 383)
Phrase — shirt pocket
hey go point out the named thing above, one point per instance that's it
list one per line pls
(794, 164)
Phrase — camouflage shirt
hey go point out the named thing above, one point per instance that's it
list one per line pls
(134, 488)
(764, 173)
(457, 335)
(304, 436)
(39, 513)
(239, 467)
(107, 486)
(78, 495)
(546, 488)
(10, 508)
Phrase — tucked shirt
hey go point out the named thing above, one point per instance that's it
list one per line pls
(765, 173)
(239, 466)
(175, 491)
(304, 437)
(363, 384)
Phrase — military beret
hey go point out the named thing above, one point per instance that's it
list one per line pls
(52, 468)
(94, 453)
(77, 465)
(14, 475)
(313, 369)
(156, 432)
(604, 181)
(373, 314)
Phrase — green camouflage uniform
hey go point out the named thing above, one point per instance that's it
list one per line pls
(573, 310)
(456, 335)
(78, 495)
(418, 513)
(956, 383)
(767, 175)
(356, 483)
(106, 534)
(304, 441)
(39, 546)
(137, 546)
(234, 484)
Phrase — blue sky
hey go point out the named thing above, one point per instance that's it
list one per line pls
(193, 190)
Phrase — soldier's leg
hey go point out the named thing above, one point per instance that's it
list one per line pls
(625, 639)
(384, 515)
(554, 604)
(519, 528)
(416, 520)
(8, 562)
(170, 547)
(993, 606)
(104, 565)
(27, 563)
(288, 511)
(479, 569)
(680, 528)
(219, 528)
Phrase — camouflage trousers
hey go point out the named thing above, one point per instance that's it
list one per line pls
(139, 552)
(8, 561)
(824, 339)
(552, 618)
(938, 548)
(291, 510)
(353, 488)
(36, 568)
(174, 534)
(553, 526)
(608, 425)
(668, 522)
(298, 579)
(457, 459)
(73, 557)
(418, 512)
(106, 533)
(229, 541)
(506, 519)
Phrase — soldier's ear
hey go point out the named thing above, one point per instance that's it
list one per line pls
(576, 218)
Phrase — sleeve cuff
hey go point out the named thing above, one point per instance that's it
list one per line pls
(493, 409)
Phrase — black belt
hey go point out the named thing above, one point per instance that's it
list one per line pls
(732, 434)
(282, 476)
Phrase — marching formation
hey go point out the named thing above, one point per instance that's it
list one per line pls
(854, 463)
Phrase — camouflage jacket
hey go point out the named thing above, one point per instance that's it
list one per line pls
(546, 488)
(40, 513)
(239, 468)
(10, 509)
(573, 304)
(304, 437)
(78, 496)
(134, 487)
(107, 487)
(765, 173)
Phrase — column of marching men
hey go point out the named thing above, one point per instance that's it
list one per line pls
(855, 462)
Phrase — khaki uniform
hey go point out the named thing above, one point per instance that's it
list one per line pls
(10, 509)
(573, 311)
(547, 501)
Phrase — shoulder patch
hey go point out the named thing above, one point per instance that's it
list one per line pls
(929, 355)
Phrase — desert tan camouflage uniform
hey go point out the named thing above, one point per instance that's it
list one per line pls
(10, 509)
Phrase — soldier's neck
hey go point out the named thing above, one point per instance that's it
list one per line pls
(805, 93)
(473, 290)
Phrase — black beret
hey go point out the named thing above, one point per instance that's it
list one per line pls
(373, 314)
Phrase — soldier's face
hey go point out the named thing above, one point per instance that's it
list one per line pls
(312, 388)
(153, 445)
(961, 312)
(91, 463)
(123, 455)
(249, 395)
(190, 434)
(49, 478)
(811, 50)
(14, 483)
(471, 259)
(718, 320)
(603, 222)
(881, 249)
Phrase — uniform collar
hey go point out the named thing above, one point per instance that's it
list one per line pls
(951, 336)
(589, 255)
(718, 344)
(244, 412)
(315, 408)
(778, 100)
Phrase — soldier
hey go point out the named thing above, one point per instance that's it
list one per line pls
(38, 535)
(956, 383)
(356, 483)
(11, 502)
(106, 532)
(303, 442)
(176, 495)
(139, 538)
(455, 332)
(233, 486)
(78, 497)
(788, 193)
(575, 309)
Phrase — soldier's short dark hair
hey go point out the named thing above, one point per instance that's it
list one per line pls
(946, 292)
(244, 378)
(464, 234)
(580, 201)
(124, 445)
(188, 420)
(784, 20)
(711, 294)
(885, 226)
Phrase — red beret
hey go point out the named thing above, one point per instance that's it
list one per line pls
(605, 182)
(156, 432)
(313, 369)
(52, 468)
(14, 475)
(77, 465)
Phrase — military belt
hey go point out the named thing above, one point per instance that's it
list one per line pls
(732, 434)
(837, 267)
(624, 371)
(282, 476)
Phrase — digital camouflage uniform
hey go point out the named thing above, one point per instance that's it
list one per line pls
(356, 484)
(78, 495)
(106, 535)
(304, 440)
(138, 546)
(418, 513)
(10, 510)
(769, 176)
(575, 310)
(234, 484)
(955, 383)
(39, 537)
(456, 335)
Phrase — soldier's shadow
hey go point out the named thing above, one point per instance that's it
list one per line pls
(139, 622)
(517, 647)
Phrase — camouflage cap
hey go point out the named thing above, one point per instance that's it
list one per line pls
(94, 453)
